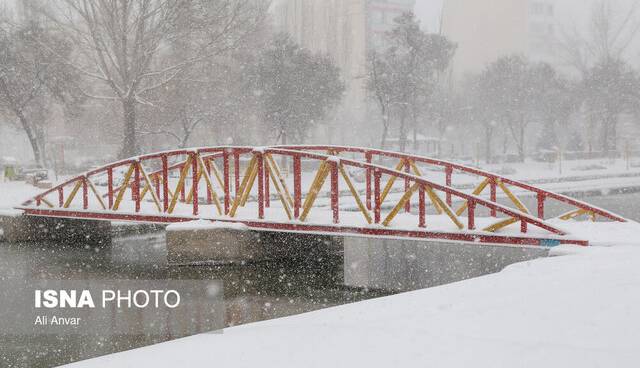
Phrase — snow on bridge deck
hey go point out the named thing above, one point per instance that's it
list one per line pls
(354, 191)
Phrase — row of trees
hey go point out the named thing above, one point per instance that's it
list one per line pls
(514, 93)
(166, 67)
(409, 83)
(603, 86)
(137, 70)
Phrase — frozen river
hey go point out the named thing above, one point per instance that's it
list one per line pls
(252, 292)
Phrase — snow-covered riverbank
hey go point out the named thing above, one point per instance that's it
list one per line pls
(580, 309)
(13, 193)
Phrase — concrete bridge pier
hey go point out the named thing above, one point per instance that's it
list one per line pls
(210, 242)
(401, 264)
(20, 228)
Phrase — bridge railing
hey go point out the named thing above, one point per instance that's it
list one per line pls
(240, 184)
(406, 162)
(409, 162)
(426, 190)
(134, 179)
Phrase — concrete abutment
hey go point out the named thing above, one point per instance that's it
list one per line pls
(221, 244)
(20, 228)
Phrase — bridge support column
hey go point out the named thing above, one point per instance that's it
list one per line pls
(20, 228)
(204, 242)
(399, 264)
(207, 242)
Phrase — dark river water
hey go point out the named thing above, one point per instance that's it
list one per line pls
(252, 292)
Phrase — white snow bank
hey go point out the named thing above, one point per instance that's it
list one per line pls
(10, 212)
(603, 233)
(206, 224)
(579, 310)
(14, 193)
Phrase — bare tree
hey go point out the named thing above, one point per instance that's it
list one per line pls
(610, 33)
(380, 87)
(210, 101)
(31, 80)
(601, 57)
(519, 92)
(181, 126)
(122, 43)
(610, 89)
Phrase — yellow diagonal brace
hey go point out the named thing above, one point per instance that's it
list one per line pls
(276, 184)
(512, 196)
(414, 167)
(283, 183)
(392, 180)
(43, 200)
(123, 188)
(73, 193)
(183, 176)
(321, 176)
(143, 194)
(253, 166)
(476, 192)
(216, 173)
(147, 188)
(252, 179)
(171, 195)
(573, 214)
(400, 204)
(156, 200)
(207, 179)
(354, 193)
(416, 171)
(434, 200)
(445, 207)
(95, 192)
(189, 197)
(500, 225)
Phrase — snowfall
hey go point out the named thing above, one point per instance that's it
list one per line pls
(578, 307)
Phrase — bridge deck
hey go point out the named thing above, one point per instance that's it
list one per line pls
(320, 189)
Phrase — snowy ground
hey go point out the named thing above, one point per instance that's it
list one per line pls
(13, 193)
(578, 309)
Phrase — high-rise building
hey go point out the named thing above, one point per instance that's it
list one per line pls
(346, 30)
(486, 30)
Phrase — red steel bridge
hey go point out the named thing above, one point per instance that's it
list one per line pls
(320, 189)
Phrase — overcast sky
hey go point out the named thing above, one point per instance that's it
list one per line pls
(429, 13)
(569, 13)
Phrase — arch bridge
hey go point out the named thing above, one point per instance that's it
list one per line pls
(320, 189)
